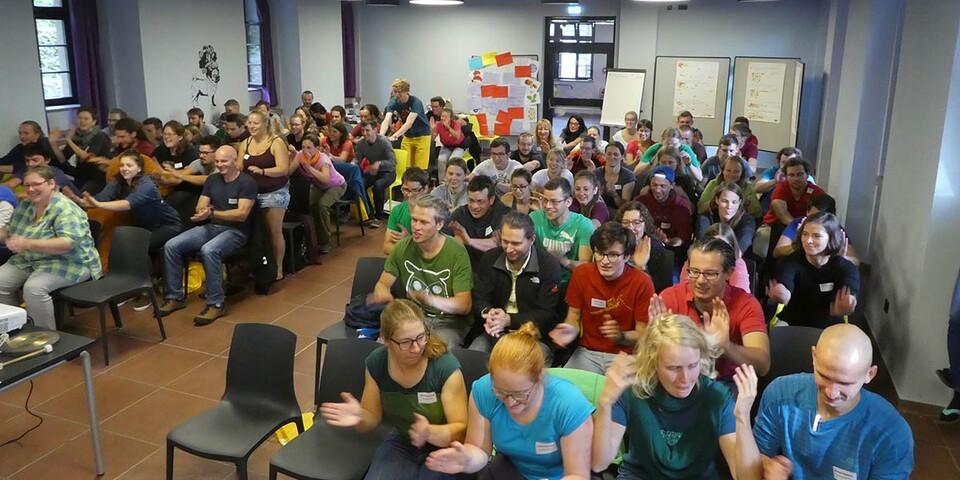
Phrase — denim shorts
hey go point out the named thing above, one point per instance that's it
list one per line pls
(279, 198)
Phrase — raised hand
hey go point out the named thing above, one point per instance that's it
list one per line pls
(642, 254)
(657, 307)
(745, 377)
(777, 292)
(397, 236)
(344, 414)
(563, 334)
(451, 460)
(844, 303)
(621, 374)
(610, 328)
(717, 325)
(419, 430)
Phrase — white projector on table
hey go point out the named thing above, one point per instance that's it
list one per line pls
(11, 318)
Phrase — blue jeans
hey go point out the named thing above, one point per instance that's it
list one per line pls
(397, 458)
(953, 336)
(215, 242)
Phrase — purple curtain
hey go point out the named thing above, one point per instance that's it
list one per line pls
(269, 90)
(349, 55)
(86, 55)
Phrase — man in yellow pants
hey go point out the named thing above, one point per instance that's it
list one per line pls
(415, 129)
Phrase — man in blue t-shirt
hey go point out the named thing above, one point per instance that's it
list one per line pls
(824, 425)
(415, 128)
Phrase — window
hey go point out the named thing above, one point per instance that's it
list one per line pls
(571, 32)
(576, 66)
(254, 61)
(56, 52)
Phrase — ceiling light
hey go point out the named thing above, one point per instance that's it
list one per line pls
(436, 2)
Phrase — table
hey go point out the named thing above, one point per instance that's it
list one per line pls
(68, 348)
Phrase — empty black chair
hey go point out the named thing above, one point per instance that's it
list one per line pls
(129, 276)
(789, 354)
(473, 365)
(325, 452)
(258, 400)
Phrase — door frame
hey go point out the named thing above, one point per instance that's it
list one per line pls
(551, 58)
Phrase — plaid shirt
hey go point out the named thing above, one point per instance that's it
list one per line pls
(62, 219)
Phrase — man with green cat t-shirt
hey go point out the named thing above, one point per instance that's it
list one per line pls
(433, 270)
(561, 232)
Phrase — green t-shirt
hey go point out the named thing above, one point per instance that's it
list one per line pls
(399, 404)
(563, 240)
(652, 150)
(400, 216)
(445, 275)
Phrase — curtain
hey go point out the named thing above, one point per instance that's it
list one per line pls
(85, 36)
(269, 90)
(349, 53)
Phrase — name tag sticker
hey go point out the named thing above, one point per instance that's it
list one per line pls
(826, 287)
(233, 201)
(841, 474)
(178, 165)
(809, 191)
(618, 187)
(597, 303)
(488, 231)
(664, 226)
(246, 156)
(546, 448)
(535, 280)
(424, 398)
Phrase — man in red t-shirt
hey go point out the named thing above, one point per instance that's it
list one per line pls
(791, 197)
(731, 317)
(608, 302)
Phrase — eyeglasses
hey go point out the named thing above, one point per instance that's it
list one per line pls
(518, 396)
(207, 152)
(35, 184)
(407, 344)
(555, 203)
(609, 256)
(694, 274)
(410, 191)
(520, 187)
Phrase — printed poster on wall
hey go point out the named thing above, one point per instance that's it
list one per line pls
(696, 88)
(764, 91)
(503, 92)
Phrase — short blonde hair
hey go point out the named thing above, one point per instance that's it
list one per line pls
(519, 352)
(401, 311)
(401, 84)
(668, 330)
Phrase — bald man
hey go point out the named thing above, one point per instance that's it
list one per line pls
(825, 426)
(222, 214)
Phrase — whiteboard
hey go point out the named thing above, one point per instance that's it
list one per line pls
(768, 91)
(695, 84)
(622, 92)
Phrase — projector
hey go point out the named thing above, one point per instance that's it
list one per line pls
(11, 318)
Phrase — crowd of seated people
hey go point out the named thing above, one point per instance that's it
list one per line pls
(542, 255)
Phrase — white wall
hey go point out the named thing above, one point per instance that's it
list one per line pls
(728, 28)
(637, 45)
(172, 33)
(21, 94)
(430, 46)
(321, 51)
(916, 252)
(122, 56)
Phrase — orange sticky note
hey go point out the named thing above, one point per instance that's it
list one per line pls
(500, 91)
(505, 58)
(522, 71)
(487, 90)
(482, 120)
(503, 116)
(515, 113)
(501, 129)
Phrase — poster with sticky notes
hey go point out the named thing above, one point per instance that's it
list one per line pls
(503, 92)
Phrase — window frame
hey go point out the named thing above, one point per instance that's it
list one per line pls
(248, 21)
(61, 13)
(576, 68)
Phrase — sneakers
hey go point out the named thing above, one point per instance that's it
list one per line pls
(374, 223)
(141, 302)
(324, 249)
(171, 305)
(209, 314)
(951, 413)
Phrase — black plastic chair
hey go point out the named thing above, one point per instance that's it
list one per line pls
(789, 354)
(129, 276)
(325, 452)
(660, 268)
(473, 365)
(258, 400)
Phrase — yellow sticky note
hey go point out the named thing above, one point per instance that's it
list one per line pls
(489, 58)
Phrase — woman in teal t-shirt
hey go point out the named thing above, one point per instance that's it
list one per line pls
(676, 415)
(539, 424)
(414, 384)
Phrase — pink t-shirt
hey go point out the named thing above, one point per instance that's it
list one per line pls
(320, 160)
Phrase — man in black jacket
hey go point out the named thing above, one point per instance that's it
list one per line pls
(514, 284)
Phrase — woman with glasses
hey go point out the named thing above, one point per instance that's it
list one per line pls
(678, 418)
(520, 196)
(50, 238)
(816, 284)
(413, 383)
(635, 217)
(607, 301)
(540, 425)
(586, 198)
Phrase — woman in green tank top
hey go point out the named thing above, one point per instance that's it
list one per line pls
(414, 384)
